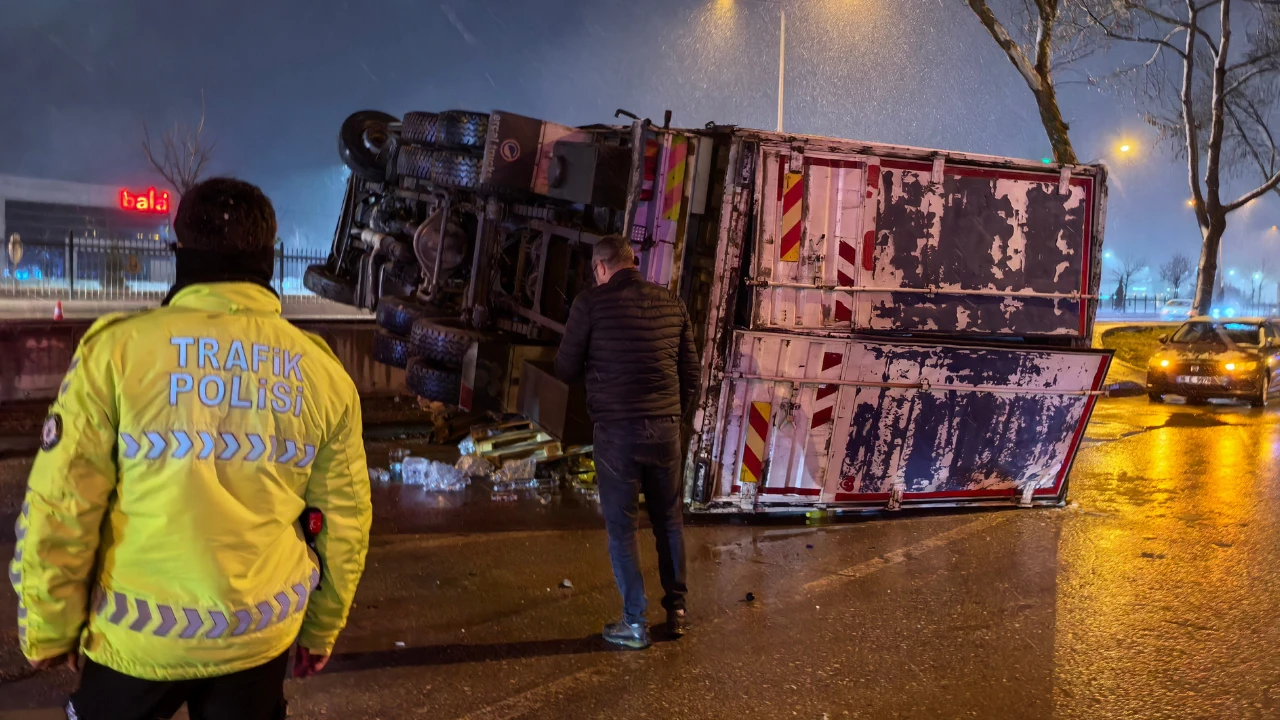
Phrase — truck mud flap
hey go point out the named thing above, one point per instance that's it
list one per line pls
(893, 424)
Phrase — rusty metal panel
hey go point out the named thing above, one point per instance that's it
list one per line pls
(858, 422)
(984, 251)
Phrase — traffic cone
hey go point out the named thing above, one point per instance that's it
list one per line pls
(57, 310)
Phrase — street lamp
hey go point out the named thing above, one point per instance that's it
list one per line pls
(782, 48)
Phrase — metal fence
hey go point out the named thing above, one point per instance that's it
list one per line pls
(1151, 305)
(111, 269)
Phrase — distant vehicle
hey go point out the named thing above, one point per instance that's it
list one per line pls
(1207, 358)
(1177, 310)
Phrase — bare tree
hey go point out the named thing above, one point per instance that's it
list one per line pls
(1257, 280)
(182, 154)
(1124, 277)
(1214, 101)
(1175, 272)
(1044, 43)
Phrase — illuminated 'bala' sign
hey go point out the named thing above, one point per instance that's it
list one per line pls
(147, 201)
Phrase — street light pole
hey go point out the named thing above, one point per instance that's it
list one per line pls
(782, 65)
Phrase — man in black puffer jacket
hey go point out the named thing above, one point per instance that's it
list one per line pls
(631, 341)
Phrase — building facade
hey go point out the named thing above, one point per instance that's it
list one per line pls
(57, 233)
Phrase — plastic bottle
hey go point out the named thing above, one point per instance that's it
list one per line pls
(414, 470)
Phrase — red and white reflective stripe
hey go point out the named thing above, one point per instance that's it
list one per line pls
(792, 215)
(757, 433)
(824, 398)
(673, 192)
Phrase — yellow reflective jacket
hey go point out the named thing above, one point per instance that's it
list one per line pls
(159, 533)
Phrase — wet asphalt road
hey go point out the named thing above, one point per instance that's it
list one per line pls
(1153, 595)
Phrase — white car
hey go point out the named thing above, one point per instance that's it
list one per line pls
(1177, 310)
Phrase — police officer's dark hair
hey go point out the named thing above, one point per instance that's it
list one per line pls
(614, 251)
(225, 215)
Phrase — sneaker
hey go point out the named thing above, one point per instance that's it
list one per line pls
(630, 635)
(677, 623)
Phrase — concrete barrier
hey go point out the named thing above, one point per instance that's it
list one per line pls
(34, 355)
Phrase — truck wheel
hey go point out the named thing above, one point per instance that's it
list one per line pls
(441, 342)
(362, 142)
(390, 349)
(397, 315)
(456, 170)
(463, 129)
(432, 382)
(420, 127)
(415, 162)
(319, 280)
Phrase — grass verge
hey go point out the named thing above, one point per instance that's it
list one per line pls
(1134, 344)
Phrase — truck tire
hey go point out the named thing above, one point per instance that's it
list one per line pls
(419, 127)
(441, 342)
(367, 162)
(463, 129)
(397, 315)
(415, 162)
(432, 382)
(319, 280)
(390, 349)
(456, 170)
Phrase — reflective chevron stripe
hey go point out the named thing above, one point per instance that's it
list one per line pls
(213, 623)
(249, 447)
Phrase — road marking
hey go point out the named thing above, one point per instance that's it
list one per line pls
(530, 700)
(896, 557)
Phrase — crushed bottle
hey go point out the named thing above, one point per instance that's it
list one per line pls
(379, 475)
(395, 460)
(432, 475)
(473, 466)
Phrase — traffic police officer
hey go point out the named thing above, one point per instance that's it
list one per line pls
(159, 535)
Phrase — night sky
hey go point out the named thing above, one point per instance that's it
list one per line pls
(79, 78)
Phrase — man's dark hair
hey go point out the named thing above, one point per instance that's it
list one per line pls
(225, 215)
(614, 251)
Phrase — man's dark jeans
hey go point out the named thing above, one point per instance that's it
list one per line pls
(633, 456)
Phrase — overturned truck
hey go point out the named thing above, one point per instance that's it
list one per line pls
(880, 326)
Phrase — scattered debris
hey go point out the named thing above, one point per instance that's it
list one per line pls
(473, 466)
(751, 597)
(380, 475)
(399, 643)
(808, 547)
(432, 475)
(566, 584)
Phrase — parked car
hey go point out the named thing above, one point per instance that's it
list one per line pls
(1209, 358)
(1177, 310)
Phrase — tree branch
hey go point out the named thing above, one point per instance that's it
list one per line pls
(1272, 183)
(1008, 44)
(1189, 123)
(1213, 158)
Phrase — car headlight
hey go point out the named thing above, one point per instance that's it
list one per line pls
(1241, 366)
